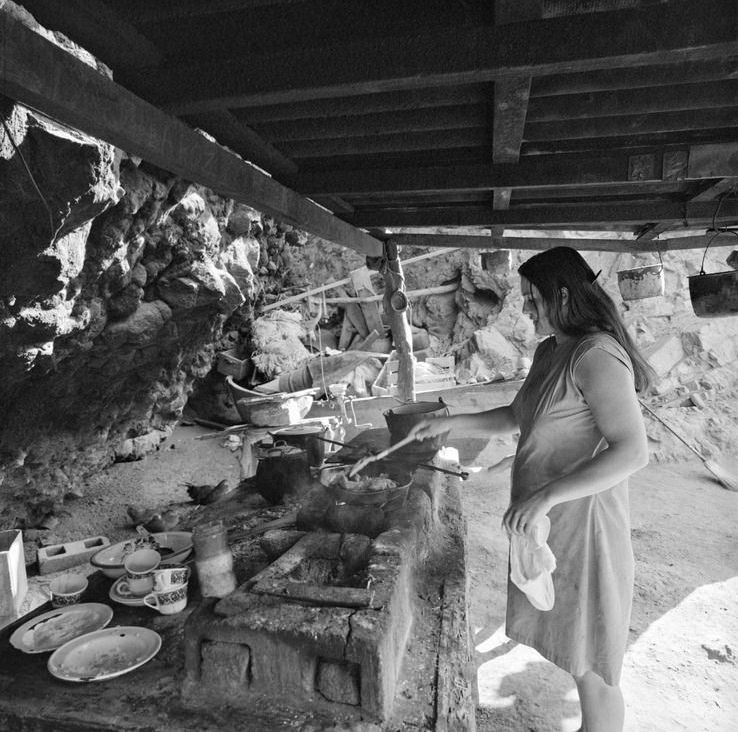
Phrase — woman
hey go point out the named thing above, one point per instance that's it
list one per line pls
(581, 436)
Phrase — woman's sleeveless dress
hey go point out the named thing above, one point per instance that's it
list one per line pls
(587, 629)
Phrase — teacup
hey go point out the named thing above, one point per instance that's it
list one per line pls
(171, 601)
(167, 578)
(140, 568)
(67, 589)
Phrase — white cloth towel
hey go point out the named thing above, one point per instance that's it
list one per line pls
(531, 565)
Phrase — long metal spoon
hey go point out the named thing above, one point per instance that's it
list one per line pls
(457, 474)
(361, 464)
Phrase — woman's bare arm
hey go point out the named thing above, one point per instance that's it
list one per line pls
(607, 387)
(500, 420)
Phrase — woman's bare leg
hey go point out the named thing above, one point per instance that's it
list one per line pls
(603, 708)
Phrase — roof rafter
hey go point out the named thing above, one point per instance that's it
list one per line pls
(540, 242)
(570, 215)
(634, 37)
(43, 76)
(533, 171)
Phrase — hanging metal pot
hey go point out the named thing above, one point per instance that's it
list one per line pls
(641, 282)
(714, 295)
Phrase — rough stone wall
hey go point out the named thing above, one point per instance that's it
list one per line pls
(116, 283)
(697, 383)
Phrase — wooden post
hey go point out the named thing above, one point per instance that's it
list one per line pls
(394, 280)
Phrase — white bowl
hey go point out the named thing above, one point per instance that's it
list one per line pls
(110, 559)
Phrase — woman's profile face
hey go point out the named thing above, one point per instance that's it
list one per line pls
(535, 308)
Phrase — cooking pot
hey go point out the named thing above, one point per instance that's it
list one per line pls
(714, 295)
(307, 437)
(389, 496)
(403, 418)
(283, 472)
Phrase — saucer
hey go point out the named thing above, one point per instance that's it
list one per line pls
(124, 597)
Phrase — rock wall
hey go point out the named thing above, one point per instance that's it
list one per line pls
(696, 389)
(117, 281)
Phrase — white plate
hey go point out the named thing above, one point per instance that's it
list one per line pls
(54, 628)
(125, 598)
(104, 654)
(110, 559)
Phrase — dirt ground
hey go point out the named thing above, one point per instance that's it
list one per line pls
(681, 668)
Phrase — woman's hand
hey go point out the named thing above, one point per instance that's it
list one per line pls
(522, 516)
(430, 428)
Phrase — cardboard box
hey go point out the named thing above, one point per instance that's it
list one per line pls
(13, 581)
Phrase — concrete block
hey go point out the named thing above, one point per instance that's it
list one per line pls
(57, 557)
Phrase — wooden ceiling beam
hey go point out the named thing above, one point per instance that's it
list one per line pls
(383, 123)
(399, 101)
(671, 98)
(510, 110)
(632, 189)
(240, 138)
(572, 215)
(539, 171)
(536, 243)
(726, 185)
(614, 79)
(681, 30)
(593, 145)
(162, 11)
(97, 28)
(508, 121)
(626, 125)
(371, 144)
(37, 73)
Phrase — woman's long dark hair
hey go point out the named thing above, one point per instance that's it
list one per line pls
(589, 306)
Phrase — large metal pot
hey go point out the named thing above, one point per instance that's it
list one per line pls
(306, 437)
(283, 472)
(402, 419)
(402, 476)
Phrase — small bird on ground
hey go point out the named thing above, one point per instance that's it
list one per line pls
(204, 494)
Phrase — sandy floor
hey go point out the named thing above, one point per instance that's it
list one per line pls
(681, 669)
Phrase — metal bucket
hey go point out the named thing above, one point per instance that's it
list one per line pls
(714, 295)
(305, 437)
(402, 419)
(641, 282)
(283, 472)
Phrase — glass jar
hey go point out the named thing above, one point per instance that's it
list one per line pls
(213, 559)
